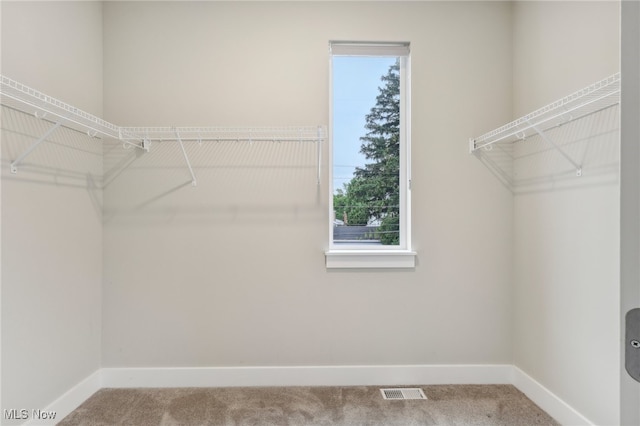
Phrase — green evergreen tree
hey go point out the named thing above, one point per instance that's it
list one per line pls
(377, 184)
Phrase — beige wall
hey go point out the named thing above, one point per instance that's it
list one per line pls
(51, 210)
(561, 47)
(231, 273)
(566, 241)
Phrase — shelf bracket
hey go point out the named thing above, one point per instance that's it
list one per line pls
(472, 146)
(14, 165)
(194, 181)
(560, 150)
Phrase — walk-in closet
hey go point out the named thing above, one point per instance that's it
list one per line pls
(169, 204)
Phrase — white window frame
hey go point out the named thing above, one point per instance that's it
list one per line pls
(373, 256)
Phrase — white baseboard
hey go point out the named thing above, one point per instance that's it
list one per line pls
(306, 376)
(547, 400)
(69, 401)
(314, 376)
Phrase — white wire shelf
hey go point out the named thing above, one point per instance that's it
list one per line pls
(223, 134)
(315, 134)
(551, 143)
(22, 97)
(596, 97)
(16, 95)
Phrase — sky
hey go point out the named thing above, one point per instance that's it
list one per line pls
(355, 86)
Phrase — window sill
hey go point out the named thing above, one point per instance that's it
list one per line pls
(359, 259)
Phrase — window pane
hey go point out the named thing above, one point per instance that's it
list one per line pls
(366, 150)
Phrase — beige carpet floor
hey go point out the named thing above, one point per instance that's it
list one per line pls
(301, 406)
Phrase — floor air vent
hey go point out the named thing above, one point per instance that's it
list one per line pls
(404, 393)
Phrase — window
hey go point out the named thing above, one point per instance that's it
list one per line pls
(370, 156)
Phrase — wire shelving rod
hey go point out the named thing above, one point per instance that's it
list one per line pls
(27, 99)
(293, 134)
(513, 160)
(231, 134)
(600, 95)
(21, 97)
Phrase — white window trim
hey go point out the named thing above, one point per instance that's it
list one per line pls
(360, 256)
(370, 259)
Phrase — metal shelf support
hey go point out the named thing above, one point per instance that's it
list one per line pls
(560, 150)
(194, 181)
(14, 165)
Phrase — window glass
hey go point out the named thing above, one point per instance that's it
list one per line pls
(369, 150)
